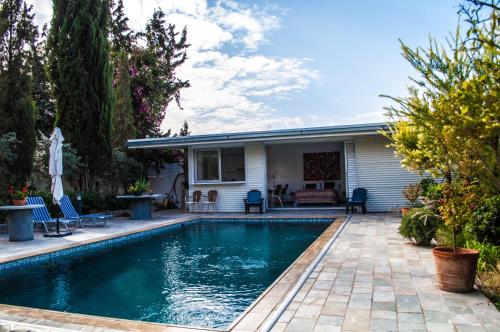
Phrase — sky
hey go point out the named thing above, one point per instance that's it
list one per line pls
(276, 64)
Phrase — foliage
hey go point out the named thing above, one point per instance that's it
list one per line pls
(123, 171)
(80, 68)
(486, 224)
(45, 109)
(16, 106)
(138, 187)
(123, 116)
(95, 201)
(154, 80)
(419, 224)
(449, 124)
(121, 36)
(457, 206)
(17, 194)
(7, 153)
(489, 254)
(412, 192)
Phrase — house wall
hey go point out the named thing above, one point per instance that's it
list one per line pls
(231, 195)
(380, 172)
(162, 182)
(287, 162)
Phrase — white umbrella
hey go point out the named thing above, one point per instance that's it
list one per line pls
(56, 165)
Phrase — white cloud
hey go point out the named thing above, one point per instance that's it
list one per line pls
(230, 91)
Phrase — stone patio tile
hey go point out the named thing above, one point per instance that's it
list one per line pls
(301, 325)
(330, 320)
(470, 328)
(404, 327)
(384, 314)
(360, 304)
(286, 316)
(406, 317)
(434, 316)
(338, 298)
(327, 328)
(465, 319)
(407, 303)
(308, 311)
(383, 325)
(439, 327)
(383, 296)
(334, 309)
(356, 320)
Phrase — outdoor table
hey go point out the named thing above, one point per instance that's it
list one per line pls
(140, 206)
(20, 221)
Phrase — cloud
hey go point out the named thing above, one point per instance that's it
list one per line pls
(233, 86)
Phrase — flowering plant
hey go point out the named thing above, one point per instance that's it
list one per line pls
(18, 194)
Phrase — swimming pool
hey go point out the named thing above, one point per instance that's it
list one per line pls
(201, 273)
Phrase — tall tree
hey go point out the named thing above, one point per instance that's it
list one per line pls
(123, 117)
(80, 68)
(45, 109)
(16, 106)
(121, 36)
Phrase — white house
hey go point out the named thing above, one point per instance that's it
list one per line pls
(313, 160)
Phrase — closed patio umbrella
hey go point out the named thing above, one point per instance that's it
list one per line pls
(56, 171)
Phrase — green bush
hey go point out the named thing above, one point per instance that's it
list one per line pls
(486, 225)
(431, 189)
(489, 255)
(419, 225)
(96, 202)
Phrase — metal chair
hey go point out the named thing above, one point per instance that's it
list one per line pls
(211, 201)
(42, 216)
(359, 196)
(69, 212)
(276, 195)
(195, 202)
(254, 199)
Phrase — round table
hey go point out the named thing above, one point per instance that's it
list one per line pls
(140, 206)
(20, 221)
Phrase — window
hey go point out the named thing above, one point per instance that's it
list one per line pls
(220, 165)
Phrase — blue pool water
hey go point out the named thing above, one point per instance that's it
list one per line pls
(203, 274)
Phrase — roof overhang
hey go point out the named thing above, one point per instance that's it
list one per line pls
(270, 136)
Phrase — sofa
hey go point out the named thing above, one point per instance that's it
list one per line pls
(315, 196)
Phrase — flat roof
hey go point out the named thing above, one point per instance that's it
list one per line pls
(281, 134)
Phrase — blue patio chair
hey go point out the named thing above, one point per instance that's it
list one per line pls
(70, 213)
(254, 199)
(42, 216)
(359, 196)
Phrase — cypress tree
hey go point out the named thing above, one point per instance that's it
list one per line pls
(80, 68)
(123, 117)
(16, 106)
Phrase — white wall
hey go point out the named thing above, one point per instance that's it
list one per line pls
(162, 182)
(381, 173)
(231, 195)
(287, 161)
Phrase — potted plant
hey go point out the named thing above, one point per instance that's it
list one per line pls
(456, 267)
(412, 193)
(138, 188)
(18, 196)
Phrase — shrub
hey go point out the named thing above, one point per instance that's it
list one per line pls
(431, 189)
(489, 255)
(486, 224)
(419, 225)
(412, 192)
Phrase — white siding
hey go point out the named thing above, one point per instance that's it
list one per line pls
(230, 196)
(381, 173)
(351, 167)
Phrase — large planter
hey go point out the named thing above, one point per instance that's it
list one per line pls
(455, 271)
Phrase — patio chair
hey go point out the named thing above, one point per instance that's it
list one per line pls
(42, 216)
(276, 195)
(195, 202)
(97, 219)
(212, 201)
(254, 199)
(359, 196)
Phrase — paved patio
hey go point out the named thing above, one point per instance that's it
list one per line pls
(372, 279)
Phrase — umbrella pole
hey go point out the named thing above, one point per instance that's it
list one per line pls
(57, 233)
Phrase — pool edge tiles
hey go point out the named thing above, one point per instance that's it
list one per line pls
(257, 312)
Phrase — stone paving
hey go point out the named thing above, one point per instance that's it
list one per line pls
(373, 280)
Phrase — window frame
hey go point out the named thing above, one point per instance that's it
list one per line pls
(219, 158)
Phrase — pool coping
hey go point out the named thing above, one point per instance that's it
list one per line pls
(253, 316)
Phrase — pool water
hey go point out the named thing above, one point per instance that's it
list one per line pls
(202, 274)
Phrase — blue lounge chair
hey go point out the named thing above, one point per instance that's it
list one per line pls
(70, 213)
(359, 196)
(254, 199)
(42, 216)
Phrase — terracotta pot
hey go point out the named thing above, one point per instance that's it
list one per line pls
(455, 271)
(405, 210)
(19, 202)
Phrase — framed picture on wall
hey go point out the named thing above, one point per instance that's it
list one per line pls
(322, 166)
